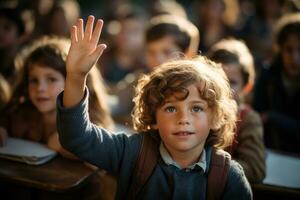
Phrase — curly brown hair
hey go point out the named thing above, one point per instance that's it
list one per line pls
(173, 78)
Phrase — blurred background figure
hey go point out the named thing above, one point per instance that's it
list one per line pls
(216, 20)
(54, 17)
(125, 26)
(277, 92)
(248, 147)
(166, 37)
(5, 93)
(259, 31)
(162, 7)
(12, 36)
(31, 114)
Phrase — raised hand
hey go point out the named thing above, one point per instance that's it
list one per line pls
(84, 51)
(83, 54)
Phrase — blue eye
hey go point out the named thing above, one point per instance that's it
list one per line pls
(196, 109)
(170, 109)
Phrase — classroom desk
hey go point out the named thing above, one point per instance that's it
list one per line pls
(59, 174)
(282, 179)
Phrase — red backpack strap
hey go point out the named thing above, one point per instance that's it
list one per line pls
(217, 175)
(145, 164)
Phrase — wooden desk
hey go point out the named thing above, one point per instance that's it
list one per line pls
(58, 175)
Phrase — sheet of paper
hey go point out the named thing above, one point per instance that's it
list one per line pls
(26, 151)
(282, 170)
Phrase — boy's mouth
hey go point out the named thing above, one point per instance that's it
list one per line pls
(183, 133)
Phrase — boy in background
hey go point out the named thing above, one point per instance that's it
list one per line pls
(248, 148)
(166, 37)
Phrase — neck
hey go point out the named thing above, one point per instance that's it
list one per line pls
(186, 158)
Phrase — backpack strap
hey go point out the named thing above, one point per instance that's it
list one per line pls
(218, 172)
(145, 164)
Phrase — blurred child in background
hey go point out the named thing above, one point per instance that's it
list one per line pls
(277, 92)
(248, 147)
(125, 30)
(44, 76)
(166, 37)
(12, 35)
(32, 114)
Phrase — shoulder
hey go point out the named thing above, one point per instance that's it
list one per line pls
(252, 117)
(237, 186)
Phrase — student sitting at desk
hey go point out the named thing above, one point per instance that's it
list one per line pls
(277, 90)
(32, 114)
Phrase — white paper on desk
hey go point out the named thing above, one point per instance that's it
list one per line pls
(282, 170)
(26, 151)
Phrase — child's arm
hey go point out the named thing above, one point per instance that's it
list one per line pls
(83, 54)
(54, 144)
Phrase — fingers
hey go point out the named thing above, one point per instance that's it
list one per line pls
(98, 52)
(74, 38)
(97, 31)
(80, 29)
(89, 28)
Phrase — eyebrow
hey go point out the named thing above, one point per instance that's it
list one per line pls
(45, 74)
(192, 101)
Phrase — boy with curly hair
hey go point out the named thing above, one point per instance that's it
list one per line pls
(186, 105)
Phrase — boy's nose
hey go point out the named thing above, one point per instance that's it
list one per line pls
(42, 86)
(183, 118)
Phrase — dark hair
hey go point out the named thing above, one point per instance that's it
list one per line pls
(46, 52)
(161, 30)
(49, 56)
(14, 15)
(233, 51)
(286, 28)
(226, 57)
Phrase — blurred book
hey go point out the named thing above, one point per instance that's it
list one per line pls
(26, 151)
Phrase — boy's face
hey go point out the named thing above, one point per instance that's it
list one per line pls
(235, 77)
(160, 50)
(131, 35)
(8, 33)
(44, 86)
(184, 125)
(291, 56)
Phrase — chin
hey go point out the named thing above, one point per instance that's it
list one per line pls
(45, 110)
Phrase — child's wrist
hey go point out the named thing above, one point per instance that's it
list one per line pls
(76, 76)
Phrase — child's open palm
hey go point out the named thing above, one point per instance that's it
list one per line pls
(84, 51)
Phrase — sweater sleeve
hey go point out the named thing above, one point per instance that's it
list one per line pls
(237, 186)
(91, 143)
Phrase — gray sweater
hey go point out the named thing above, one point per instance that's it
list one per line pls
(117, 153)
